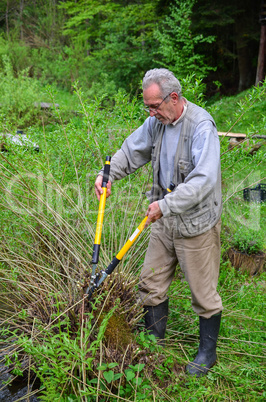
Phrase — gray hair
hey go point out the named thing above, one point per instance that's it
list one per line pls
(165, 79)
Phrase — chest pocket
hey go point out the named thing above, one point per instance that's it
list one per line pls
(184, 168)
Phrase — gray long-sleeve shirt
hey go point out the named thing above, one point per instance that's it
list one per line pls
(192, 153)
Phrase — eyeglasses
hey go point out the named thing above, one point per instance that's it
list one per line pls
(154, 109)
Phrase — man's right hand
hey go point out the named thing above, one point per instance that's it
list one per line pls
(98, 187)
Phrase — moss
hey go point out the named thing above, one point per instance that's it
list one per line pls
(118, 332)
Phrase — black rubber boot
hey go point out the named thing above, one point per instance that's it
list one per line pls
(156, 320)
(206, 357)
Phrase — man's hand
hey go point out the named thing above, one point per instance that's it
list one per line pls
(154, 212)
(98, 187)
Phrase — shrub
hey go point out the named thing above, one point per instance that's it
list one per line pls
(18, 96)
(248, 241)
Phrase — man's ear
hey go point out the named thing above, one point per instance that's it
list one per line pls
(174, 97)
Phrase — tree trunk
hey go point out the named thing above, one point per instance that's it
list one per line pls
(244, 57)
(21, 9)
(7, 26)
(262, 49)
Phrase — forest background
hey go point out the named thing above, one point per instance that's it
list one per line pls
(108, 45)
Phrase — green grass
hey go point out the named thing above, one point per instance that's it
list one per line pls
(239, 373)
(240, 113)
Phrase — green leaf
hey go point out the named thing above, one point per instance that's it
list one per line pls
(112, 365)
(130, 374)
(117, 376)
(137, 367)
(109, 376)
(102, 367)
(93, 381)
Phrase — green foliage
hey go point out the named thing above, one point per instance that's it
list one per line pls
(147, 341)
(17, 53)
(64, 41)
(18, 95)
(116, 53)
(240, 169)
(236, 113)
(248, 241)
(193, 89)
(177, 43)
(60, 357)
(240, 343)
(108, 373)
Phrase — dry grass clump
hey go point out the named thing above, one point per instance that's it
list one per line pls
(44, 269)
(42, 297)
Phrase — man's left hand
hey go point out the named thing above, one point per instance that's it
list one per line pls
(154, 212)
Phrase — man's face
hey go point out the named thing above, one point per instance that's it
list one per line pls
(167, 111)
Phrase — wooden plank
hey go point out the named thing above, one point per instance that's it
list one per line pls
(232, 135)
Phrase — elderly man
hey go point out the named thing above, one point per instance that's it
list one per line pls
(180, 139)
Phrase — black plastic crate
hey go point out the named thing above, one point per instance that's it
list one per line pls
(256, 194)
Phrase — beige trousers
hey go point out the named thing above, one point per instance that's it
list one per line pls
(198, 257)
